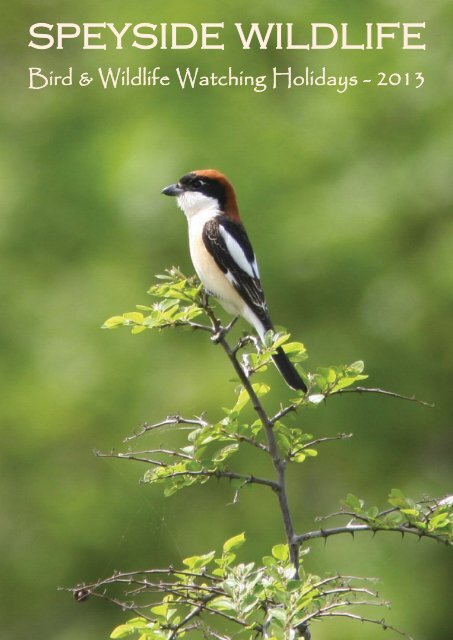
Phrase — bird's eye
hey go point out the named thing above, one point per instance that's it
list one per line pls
(198, 183)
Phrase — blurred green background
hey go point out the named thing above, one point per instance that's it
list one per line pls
(348, 200)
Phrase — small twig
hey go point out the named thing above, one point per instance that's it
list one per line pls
(131, 456)
(392, 394)
(143, 586)
(213, 633)
(337, 578)
(191, 602)
(251, 441)
(230, 475)
(211, 473)
(169, 421)
(278, 462)
(283, 412)
(192, 614)
(129, 606)
(185, 323)
(168, 452)
(312, 443)
(129, 576)
(348, 589)
(243, 342)
(354, 616)
(323, 611)
(230, 325)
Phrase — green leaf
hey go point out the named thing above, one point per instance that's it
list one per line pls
(227, 559)
(372, 512)
(261, 389)
(165, 305)
(294, 585)
(348, 381)
(283, 443)
(134, 316)
(331, 376)
(296, 350)
(132, 626)
(122, 631)
(195, 563)
(234, 543)
(225, 453)
(353, 502)
(281, 552)
(161, 611)
(440, 520)
(222, 603)
(278, 614)
(397, 498)
(357, 367)
(242, 400)
(136, 329)
(114, 322)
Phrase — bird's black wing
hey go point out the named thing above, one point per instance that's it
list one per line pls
(228, 243)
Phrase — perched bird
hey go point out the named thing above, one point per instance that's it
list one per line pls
(223, 256)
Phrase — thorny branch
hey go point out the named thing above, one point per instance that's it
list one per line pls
(279, 463)
(219, 336)
(198, 590)
(391, 394)
(327, 613)
(169, 421)
(358, 528)
(215, 473)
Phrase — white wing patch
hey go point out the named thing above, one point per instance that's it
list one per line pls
(237, 253)
(230, 277)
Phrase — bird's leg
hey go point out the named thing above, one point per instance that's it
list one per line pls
(204, 298)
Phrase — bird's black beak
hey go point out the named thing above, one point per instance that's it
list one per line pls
(173, 190)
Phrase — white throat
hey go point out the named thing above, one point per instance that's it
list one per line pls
(193, 203)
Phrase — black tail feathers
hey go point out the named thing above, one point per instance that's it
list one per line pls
(288, 371)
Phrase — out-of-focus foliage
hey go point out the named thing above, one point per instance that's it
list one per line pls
(348, 200)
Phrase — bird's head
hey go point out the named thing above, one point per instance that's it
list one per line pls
(204, 190)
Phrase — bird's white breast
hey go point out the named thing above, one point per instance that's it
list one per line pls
(212, 277)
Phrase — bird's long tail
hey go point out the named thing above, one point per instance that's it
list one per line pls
(288, 371)
(282, 362)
